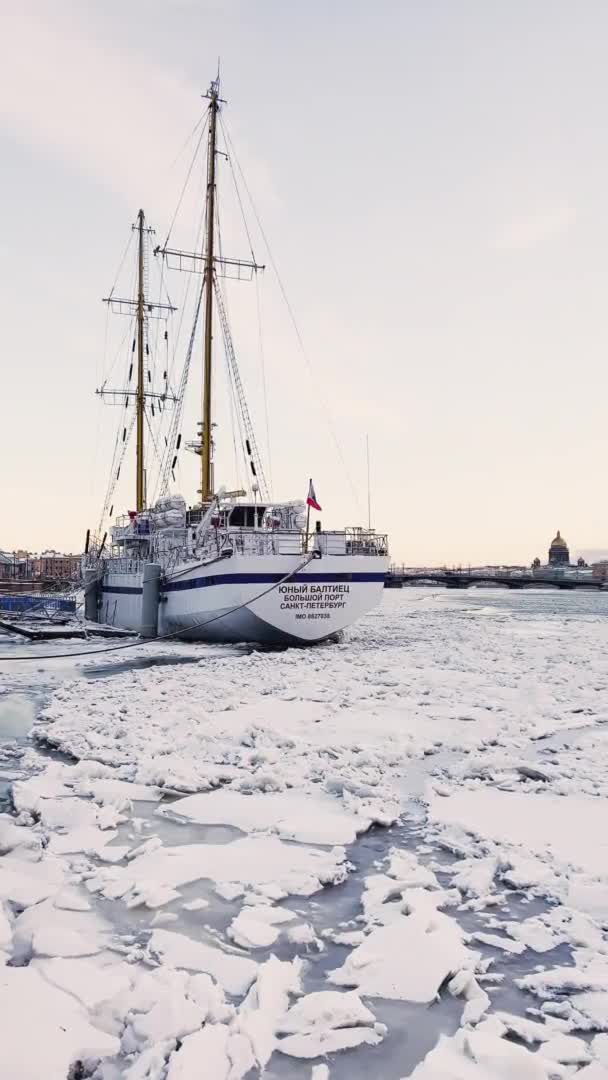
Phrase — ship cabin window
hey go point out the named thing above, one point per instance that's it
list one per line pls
(246, 516)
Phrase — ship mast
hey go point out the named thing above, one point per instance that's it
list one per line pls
(212, 266)
(140, 496)
(206, 441)
(142, 308)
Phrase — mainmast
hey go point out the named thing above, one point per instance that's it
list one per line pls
(140, 497)
(206, 442)
(212, 267)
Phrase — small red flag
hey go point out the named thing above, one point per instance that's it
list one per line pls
(312, 498)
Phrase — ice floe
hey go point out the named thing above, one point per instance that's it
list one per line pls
(157, 944)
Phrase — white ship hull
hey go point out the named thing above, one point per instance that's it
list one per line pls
(120, 599)
(253, 598)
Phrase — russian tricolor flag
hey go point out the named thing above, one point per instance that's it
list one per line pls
(312, 498)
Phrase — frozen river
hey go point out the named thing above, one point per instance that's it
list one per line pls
(389, 854)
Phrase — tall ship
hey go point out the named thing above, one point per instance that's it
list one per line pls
(235, 565)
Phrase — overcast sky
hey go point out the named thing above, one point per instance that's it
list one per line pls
(432, 177)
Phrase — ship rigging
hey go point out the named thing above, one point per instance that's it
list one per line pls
(277, 583)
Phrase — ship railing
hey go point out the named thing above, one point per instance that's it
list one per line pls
(170, 556)
(125, 528)
(365, 542)
(346, 542)
(120, 564)
(283, 542)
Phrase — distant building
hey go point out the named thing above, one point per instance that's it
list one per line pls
(15, 566)
(558, 552)
(600, 570)
(55, 566)
(49, 566)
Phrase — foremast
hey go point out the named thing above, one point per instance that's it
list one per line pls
(141, 308)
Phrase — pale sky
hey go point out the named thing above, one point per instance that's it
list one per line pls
(432, 176)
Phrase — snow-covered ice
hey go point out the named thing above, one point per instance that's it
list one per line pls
(312, 818)
(208, 876)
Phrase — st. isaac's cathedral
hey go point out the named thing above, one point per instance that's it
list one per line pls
(558, 552)
(559, 558)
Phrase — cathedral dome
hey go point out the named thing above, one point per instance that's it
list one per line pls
(558, 541)
(558, 552)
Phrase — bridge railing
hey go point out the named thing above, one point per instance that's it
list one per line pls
(513, 577)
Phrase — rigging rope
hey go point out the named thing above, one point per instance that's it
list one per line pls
(254, 454)
(318, 393)
(233, 428)
(162, 482)
(188, 175)
(99, 403)
(116, 471)
(200, 121)
(175, 633)
(236, 426)
(152, 436)
(263, 367)
(121, 264)
(178, 411)
(238, 193)
(129, 332)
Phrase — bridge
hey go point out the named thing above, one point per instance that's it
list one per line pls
(401, 577)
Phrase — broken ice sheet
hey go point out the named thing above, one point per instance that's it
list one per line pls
(308, 817)
(484, 1055)
(348, 724)
(410, 957)
(63, 1032)
(234, 973)
(256, 861)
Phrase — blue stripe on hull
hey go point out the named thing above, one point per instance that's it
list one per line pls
(130, 590)
(246, 579)
(266, 579)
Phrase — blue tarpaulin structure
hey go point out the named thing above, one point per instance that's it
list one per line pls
(40, 602)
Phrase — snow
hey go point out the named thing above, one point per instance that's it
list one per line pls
(23, 882)
(593, 1005)
(195, 905)
(325, 1009)
(46, 930)
(496, 942)
(409, 958)
(63, 1032)
(252, 862)
(483, 1056)
(148, 887)
(317, 1043)
(208, 1046)
(234, 973)
(251, 933)
(573, 831)
(71, 900)
(565, 1048)
(172, 1016)
(314, 818)
(49, 941)
(91, 983)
